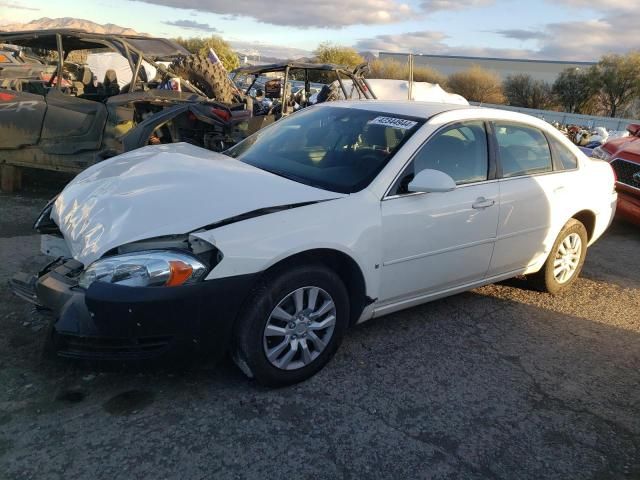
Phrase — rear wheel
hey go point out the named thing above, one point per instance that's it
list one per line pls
(564, 264)
(292, 325)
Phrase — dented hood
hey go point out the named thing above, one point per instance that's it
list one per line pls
(165, 190)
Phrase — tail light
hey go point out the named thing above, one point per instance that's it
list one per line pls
(223, 114)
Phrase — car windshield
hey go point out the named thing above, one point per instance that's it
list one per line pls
(333, 148)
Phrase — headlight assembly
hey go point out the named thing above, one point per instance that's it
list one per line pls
(149, 268)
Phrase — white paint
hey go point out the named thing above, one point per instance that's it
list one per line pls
(410, 248)
(164, 190)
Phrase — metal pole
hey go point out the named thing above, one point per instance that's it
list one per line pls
(285, 109)
(410, 90)
(60, 61)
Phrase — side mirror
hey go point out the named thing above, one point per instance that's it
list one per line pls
(428, 181)
(634, 129)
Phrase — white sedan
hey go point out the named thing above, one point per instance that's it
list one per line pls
(335, 215)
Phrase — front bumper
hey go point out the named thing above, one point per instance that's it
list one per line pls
(115, 322)
(629, 207)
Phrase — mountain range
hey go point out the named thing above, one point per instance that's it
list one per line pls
(68, 22)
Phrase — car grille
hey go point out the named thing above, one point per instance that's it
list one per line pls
(628, 173)
(71, 346)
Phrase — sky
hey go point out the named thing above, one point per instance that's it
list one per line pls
(536, 29)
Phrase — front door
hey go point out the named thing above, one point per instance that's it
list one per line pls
(436, 241)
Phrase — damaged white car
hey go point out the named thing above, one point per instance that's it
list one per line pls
(335, 215)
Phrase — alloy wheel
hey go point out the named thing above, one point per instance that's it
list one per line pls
(299, 328)
(567, 258)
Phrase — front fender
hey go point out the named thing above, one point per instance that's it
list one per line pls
(350, 225)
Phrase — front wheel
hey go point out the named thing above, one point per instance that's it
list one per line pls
(564, 264)
(292, 325)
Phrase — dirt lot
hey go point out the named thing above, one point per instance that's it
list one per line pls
(501, 382)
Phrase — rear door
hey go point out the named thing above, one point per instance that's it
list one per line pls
(72, 124)
(531, 197)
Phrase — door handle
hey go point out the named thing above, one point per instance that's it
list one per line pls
(482, 203)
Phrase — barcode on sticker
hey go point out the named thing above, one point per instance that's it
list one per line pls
(393, 122)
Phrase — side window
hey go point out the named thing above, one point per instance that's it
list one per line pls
(460, 151)
(523, 150)
(564, 158)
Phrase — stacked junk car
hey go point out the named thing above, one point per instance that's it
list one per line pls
(69, 98)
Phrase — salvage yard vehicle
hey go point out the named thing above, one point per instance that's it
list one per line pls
(338, 214)
(69, 119)
(280, 86)
(624, 155)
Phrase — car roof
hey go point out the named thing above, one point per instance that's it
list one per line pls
(427, 110)
(417, 109)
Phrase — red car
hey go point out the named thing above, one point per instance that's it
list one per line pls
(624, 156)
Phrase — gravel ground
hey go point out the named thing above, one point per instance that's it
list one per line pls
(500, 382)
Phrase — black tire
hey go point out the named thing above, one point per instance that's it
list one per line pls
(248, 350)
(545, 280)
(209, 77)
(330, 93)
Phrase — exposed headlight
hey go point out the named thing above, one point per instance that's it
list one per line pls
(601, 153)
(149, 268)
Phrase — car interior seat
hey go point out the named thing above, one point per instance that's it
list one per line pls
(110, 85)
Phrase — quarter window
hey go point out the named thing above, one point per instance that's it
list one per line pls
(565, 160)
(460, 151)
(523, 150)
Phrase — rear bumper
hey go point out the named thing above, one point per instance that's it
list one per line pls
(115, 322)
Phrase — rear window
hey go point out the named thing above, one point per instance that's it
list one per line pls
(523, 150)
(565, 159)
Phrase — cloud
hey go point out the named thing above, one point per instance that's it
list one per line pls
(520, 34)
(589, 40)
(413, 42)
(192, 25)
(432, 5)
(255, 49)
(601, 5)
(302, 14)
(430, 42)
(16, 6)
(614, 32)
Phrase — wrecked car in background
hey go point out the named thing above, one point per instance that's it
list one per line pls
(70, 119)
(624, 156)
(279, 89)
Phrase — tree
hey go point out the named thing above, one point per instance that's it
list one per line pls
(523, 91)
(574, 89)
(328, 52)
(394, 70)
(477, 84)
(618, 77)
(201, 46)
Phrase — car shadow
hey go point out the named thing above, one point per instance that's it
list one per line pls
(498, 382)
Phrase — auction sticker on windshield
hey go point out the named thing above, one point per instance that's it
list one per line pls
(393, 122)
